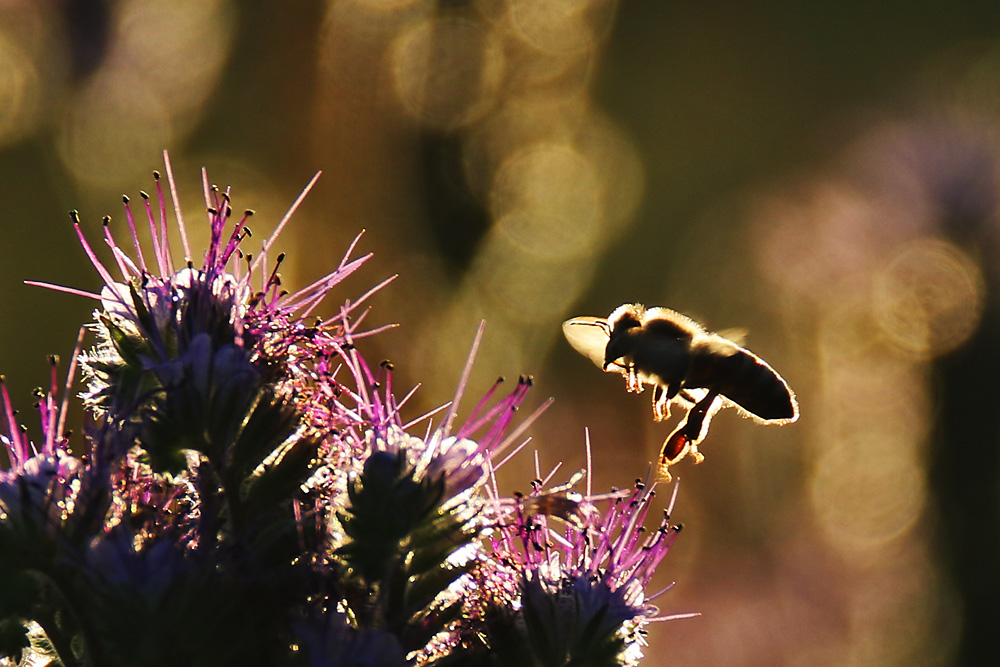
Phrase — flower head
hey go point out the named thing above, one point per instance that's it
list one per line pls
(573, 578)
(207, 338)
(244, 456)
(43, 479)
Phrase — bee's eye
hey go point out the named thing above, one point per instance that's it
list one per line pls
(627, 321)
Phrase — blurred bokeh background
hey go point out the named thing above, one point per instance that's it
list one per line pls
(823, 175)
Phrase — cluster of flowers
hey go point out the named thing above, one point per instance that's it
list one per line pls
(245, 491)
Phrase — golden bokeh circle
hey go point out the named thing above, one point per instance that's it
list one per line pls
(928, 298)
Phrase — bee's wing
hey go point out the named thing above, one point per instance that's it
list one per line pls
(736, 335)
(589, 336)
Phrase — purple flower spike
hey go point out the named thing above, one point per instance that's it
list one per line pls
(250, 492)
(43, 479)
(576, 567)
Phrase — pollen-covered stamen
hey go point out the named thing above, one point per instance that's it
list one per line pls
(135, 236)
(159, 251)
(351, 306)
(284, 220)
(49, 413)
(240, 232)
(18, 447)
(384, 379)
(497, 446)
(310, 296)
(500, 414)
(376, 409)
(473, 421)
(463, 381)
(177, 205)
(219, 208)
(125, 265)
(52, 416)
(272, 292)
(92, 256)
(624, 555)
(67, 387)
(161, 200)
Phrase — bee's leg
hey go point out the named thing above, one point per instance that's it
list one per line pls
(685, 438)
(695, 426)
(675, 447)
(632, 383)
(687, 396)
(661, 403)
(696, 416)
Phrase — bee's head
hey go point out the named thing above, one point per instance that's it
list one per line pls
(620, 322)
(624, 317)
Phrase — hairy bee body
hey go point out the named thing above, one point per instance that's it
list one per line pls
(686, 366)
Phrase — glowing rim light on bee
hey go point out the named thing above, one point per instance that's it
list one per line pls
(687, 366)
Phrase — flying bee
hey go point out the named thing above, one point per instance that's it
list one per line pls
(687, 367)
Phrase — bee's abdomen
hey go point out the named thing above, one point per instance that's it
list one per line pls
(746, 380)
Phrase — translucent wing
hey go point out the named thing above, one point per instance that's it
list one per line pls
(589, 336)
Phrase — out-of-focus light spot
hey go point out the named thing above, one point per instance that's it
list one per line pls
(19, 92)
(446, 71)
(545, 237)
(524, 287)
(532, 73)
(867, 490)
(354, 34)
(178, 46)
(553, 25)
(621, 176)
(384, 5)
(161, 65)
(902, 613)
(112, 129)
(867, 486)
(863, 387)
(551, 182)
(821, 242)
(929, 297)
(975, 82)
(519, 123)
